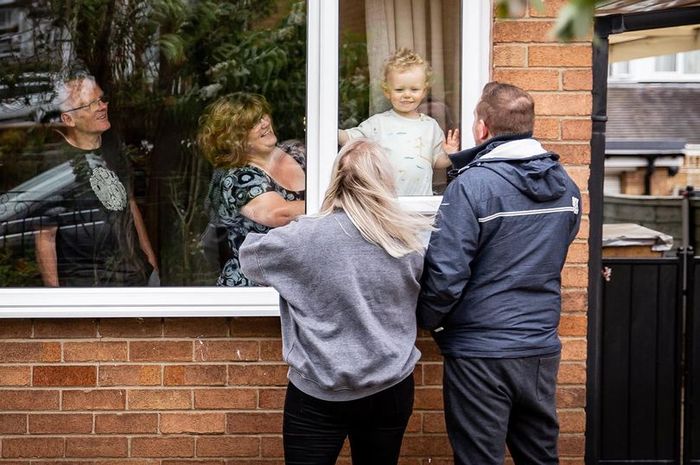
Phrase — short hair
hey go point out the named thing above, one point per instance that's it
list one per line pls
(362, 185)
(506, 109)
(66, 88)
(224, 128)
(404, 59)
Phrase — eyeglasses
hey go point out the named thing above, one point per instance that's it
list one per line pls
(93, 106)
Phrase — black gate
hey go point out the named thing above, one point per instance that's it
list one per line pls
(650, 366)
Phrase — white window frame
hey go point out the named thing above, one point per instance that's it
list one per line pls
(322, 115)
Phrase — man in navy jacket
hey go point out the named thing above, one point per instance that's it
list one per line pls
(491, 287)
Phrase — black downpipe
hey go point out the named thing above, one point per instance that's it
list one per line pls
(595, 189)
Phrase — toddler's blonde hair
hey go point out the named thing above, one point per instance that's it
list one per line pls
(404, 59)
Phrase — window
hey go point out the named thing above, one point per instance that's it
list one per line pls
(159, 69)
(665, 63)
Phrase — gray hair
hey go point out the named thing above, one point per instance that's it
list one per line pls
(66, 87)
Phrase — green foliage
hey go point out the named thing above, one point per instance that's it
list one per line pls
(18, 271)
(354, 81)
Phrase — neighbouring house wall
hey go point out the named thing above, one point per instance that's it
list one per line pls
(209, 391)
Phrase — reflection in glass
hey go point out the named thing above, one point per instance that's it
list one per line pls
(372, 33)
(162, 64)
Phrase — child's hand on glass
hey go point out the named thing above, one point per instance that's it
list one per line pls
(451, 144)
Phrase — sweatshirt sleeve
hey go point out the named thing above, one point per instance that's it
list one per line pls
(448, 259)
(249, 252)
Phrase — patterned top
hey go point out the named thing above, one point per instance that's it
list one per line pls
(231, 189)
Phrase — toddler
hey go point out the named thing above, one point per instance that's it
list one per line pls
(414, 141)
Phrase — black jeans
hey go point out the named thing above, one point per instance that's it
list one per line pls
(493, 402)
(314, 429)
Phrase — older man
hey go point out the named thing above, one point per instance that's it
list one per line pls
(492, 285)
(91, 231)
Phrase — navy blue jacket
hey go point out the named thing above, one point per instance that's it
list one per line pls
(491, 284)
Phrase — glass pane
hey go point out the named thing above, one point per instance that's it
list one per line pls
(103, 179)
(665, 63)
(691, 62)
(400, 85)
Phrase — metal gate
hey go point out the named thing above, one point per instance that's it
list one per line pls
(650, 365)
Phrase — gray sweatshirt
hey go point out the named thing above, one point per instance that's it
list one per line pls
(347, 307)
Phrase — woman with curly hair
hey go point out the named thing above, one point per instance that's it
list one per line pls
(257, 185)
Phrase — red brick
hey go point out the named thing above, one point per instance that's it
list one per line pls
(29, 400)
(571, 154)
(522, 31)
(225, 398)
(564, 104)
(418, 375)
(257, 375)
(160, 351)
(271, 398)
(205, 462)
(434, 422)
(573, 349)
(162, 447)
(245, 461)
(573, 324)
(428, 398)
(200, 423)
(228, 446)
(253, 423)
(95, 351)
(547, 128)
(126, 423)
(15, 329)
(60, 423)
(429, 350)
(160, 399)
(255, 327)
(572, 421)
(15, 375)
(271, 350)
(271, 446)
(195, 327)
(415, 422)
(571, 396)
(13, 424)
(550, 8)
(572, 445)
(426, 445)
(230, 350)
(510, 56)
(194, 375)
(574, 276)
(559, 55)
(32, 447)
(65, 375)
(577, 79)
(432, 374)
(103, 399)
(572, 373)
(30, 352)
(576, 129)
(579, 174)
(129, 375)
(97, 447)
(528, 79)
(574, 300)
(65, 328)
(578, 253)
(131, 327)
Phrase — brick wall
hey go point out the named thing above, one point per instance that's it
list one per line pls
(209, 391)
(559, 77)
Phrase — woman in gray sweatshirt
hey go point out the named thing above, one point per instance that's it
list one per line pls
(348, 280)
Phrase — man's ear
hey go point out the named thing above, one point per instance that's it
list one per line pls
(67, 119)
(482, 131)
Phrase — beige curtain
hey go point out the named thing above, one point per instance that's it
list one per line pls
(419, 25)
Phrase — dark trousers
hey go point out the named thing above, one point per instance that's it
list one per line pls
(314, 430)
(493, 402)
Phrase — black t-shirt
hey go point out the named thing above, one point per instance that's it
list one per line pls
(96, 240)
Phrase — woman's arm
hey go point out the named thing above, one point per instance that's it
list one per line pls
(272, 210)
(45, 244)
(144, 242)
